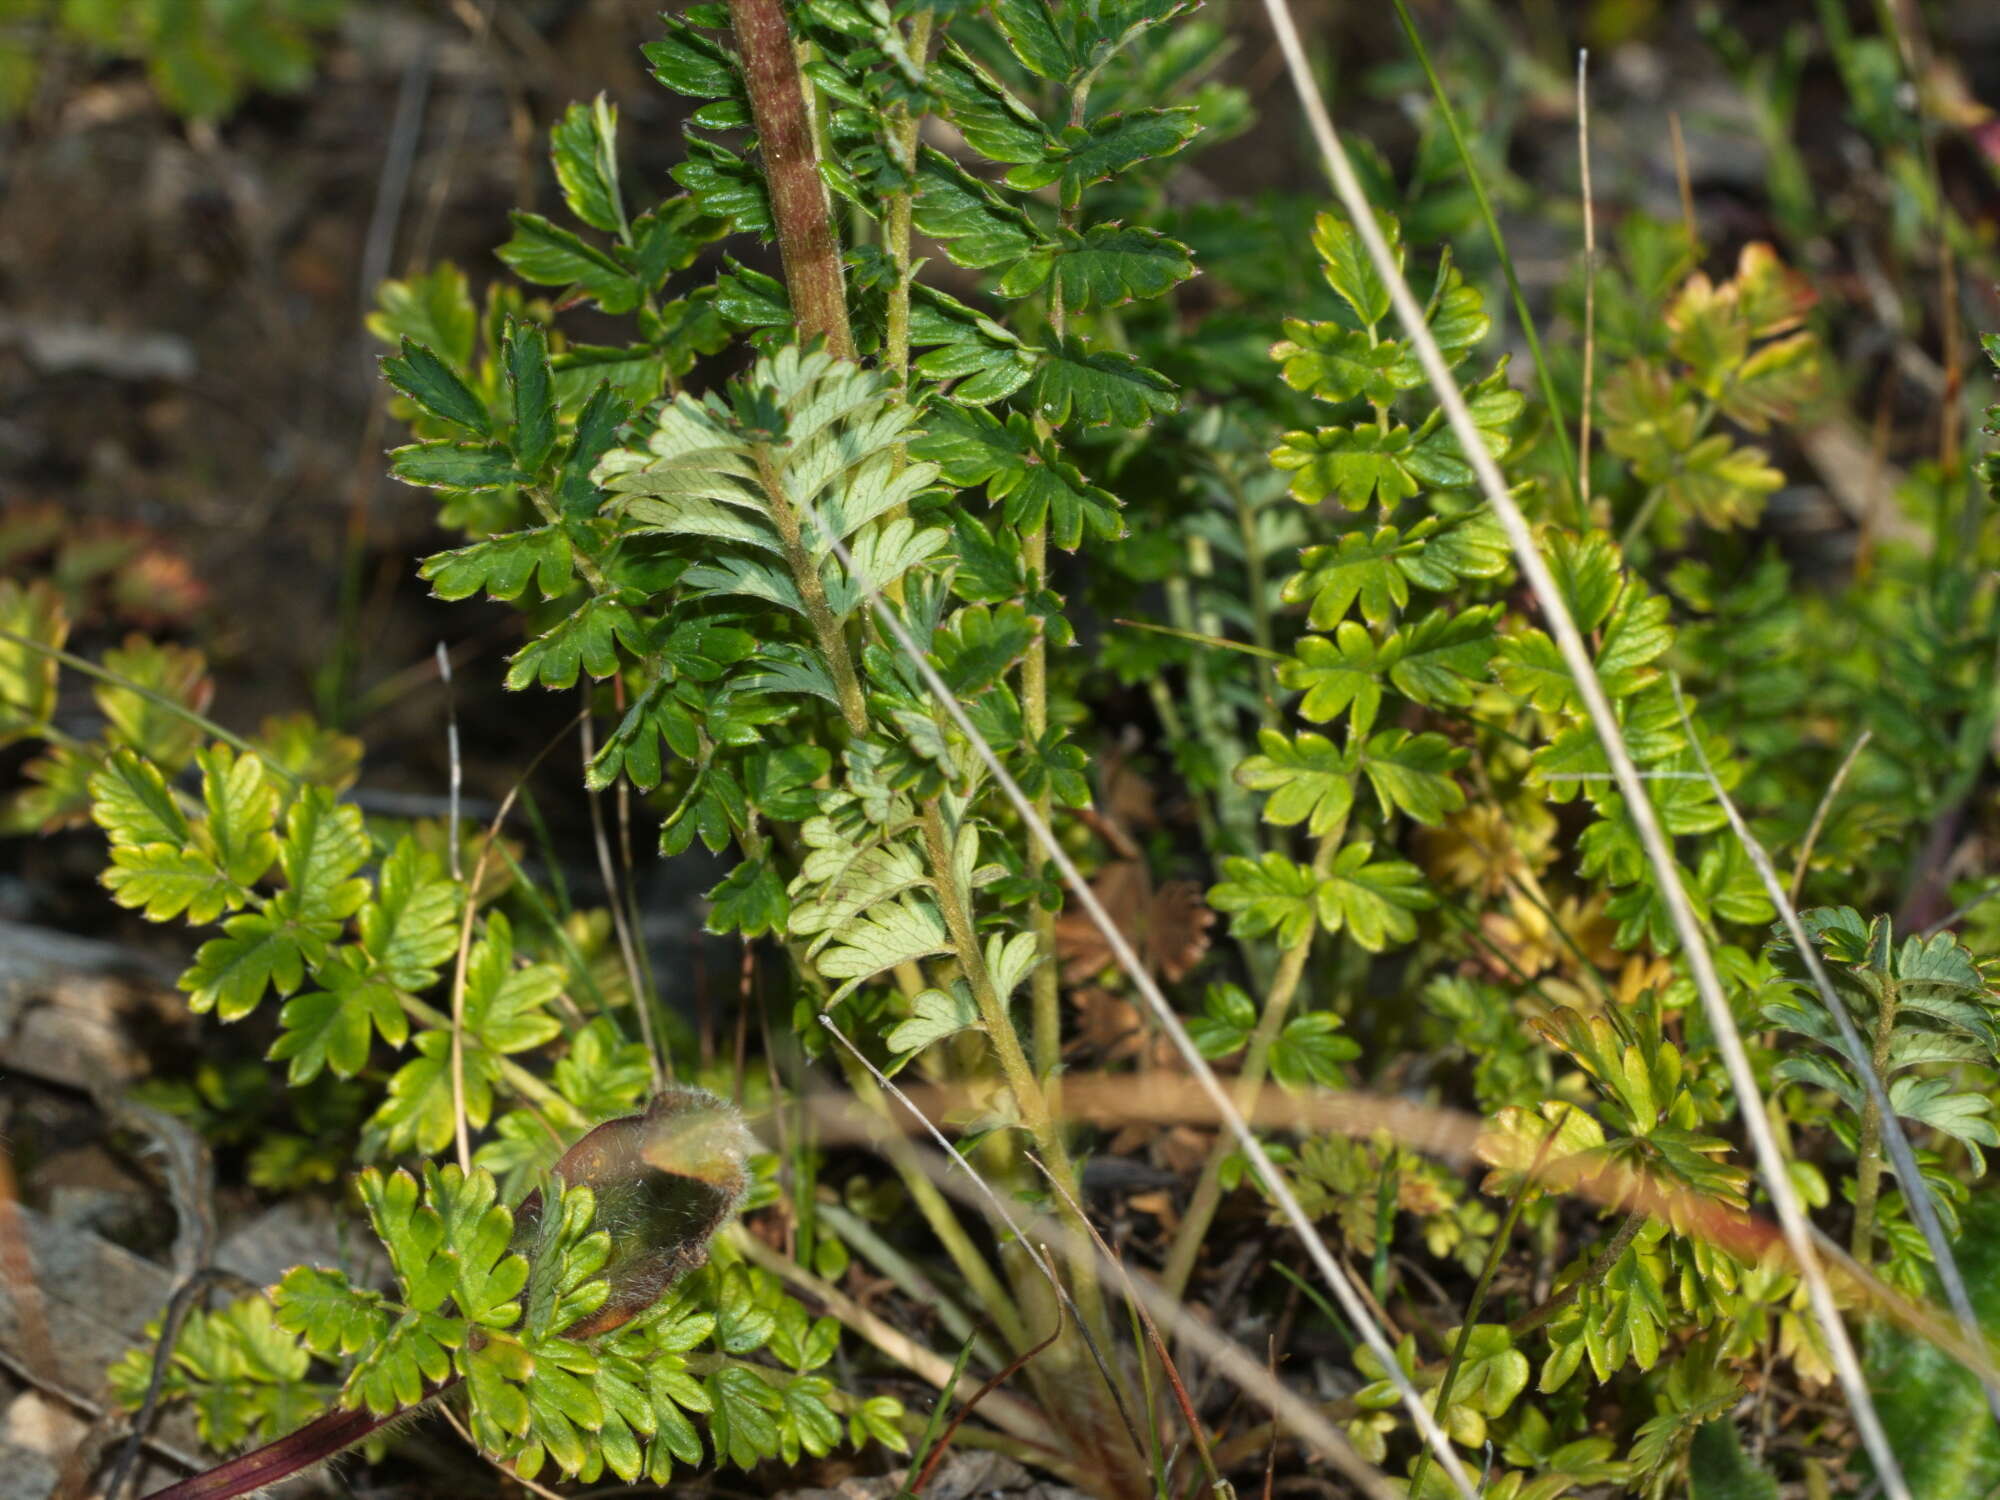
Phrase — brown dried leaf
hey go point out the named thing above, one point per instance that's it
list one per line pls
(1169, 927)
(1107, 1024)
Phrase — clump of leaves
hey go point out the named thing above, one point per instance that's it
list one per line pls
(570, 1327)
(1735, 351)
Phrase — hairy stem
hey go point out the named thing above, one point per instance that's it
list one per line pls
(1868, 1171)
(980, 1277)
(903, 125)
(806, 241)
(1046, 983)
(805, 576)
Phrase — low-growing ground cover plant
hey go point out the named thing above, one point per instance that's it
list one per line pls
(1023, 448)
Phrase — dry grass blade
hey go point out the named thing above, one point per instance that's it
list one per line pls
(1288, 1407)
(992, 1383)
(1189, 1417)
(465, 1433)
(993, 1199)
(1111, 1101)
(1448, 1135)
(615, 896)
(1922, 1209)
(1682, 176)
(1293, 1410)
(456, 785)
(1576, 656)
(1337, 1278)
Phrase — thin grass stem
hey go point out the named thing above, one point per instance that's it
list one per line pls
(1589, 397)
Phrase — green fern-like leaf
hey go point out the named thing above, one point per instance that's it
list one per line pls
(813, 451)
(1310, 779)
(323, 848)
(1035, 484)
(239, 1368)
(332, 1027)
(28, 676)
(502, 566)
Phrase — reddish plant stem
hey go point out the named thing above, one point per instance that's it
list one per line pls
(295, 1452)
(806, 241)
(993, 1383)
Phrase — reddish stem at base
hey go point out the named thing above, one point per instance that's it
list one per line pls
(799, 211)
(316, 1442)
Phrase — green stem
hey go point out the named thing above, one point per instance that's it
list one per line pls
(1045, 990)
(1494, 1255)
(1209, 717)
(1249, 1079)
(979, 1277)
(1260, 598)
(903, 126)
(110, 678)
(516, 1077)
(972, 1266)
(1868, 1174)
(1544, 376)
(1045, 985)
(1597, 1270)
(1029, 1098)
(1256, 1059)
